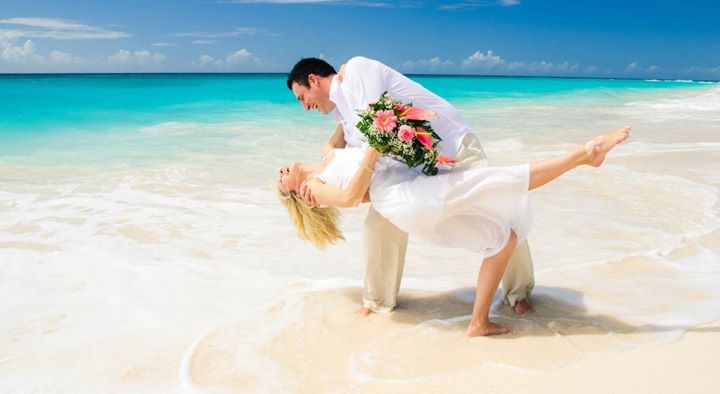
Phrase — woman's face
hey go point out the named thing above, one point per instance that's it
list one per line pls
(290, 177)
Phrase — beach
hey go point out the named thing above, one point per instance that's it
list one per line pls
(142, 250)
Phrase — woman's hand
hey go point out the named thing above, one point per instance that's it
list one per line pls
(378, 150)
(371, 155)
(305, 193)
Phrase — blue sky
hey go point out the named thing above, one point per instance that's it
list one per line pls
(631, 38)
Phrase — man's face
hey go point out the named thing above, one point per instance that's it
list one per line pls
(314, 97)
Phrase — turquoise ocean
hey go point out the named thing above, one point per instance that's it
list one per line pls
(108, 119)
(139, 235)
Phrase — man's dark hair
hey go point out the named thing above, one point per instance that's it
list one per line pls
(303, 68)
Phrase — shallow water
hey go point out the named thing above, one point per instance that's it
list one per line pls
(138, 236)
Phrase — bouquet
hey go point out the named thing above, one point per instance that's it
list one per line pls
(401, 130)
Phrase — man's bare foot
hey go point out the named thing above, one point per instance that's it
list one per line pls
(485, 329)
(362, 311)
(523, 307)
(597, 148)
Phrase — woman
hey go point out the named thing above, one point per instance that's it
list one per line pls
(482, 209)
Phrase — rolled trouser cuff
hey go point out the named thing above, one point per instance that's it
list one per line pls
(512, 299)
(375, 307)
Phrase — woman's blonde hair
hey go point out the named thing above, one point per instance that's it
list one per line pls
(317, 225)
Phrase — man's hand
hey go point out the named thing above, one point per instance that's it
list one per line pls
(306, 194)
(366, 198)
(341, 74)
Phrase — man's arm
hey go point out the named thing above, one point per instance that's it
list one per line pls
(336, 141)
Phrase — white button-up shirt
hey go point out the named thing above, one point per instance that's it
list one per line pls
(365, 80)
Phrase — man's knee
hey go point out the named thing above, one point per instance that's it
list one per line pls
(380, 231)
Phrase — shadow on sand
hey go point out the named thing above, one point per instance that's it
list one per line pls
(557, 311)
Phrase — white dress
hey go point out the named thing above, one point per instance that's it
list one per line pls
(473, 209)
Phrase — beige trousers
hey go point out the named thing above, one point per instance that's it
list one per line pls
(385, 247)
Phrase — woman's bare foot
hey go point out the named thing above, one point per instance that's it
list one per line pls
(523, 307)
(485, 329)
(597, 148)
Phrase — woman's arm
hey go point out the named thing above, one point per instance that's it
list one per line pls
(353, 194)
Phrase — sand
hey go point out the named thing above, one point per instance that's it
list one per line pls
(421, 347)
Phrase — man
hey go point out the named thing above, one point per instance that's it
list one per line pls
(317, 86)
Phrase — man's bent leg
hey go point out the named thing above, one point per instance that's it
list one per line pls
(519, 279)
(385, 247)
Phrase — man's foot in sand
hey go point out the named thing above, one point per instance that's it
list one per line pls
(362, 311)
(597, 148)
(485, 329)
(523, 307)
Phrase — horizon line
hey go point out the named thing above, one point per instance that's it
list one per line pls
(408, 74)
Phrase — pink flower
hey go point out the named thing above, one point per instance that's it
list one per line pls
(446, 160)
(415, 113)
(406, 133)
(400, 107)
(424, 137)
(385, 120)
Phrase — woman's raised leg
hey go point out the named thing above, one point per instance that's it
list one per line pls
(491, 272)
(541, 172)
(592, 153)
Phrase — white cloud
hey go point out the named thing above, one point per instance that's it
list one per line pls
(27, 56)
(146, 57)
(703, 72)
(58, 29)
(59, 57)
(516, 66)
(637, 69)
(461, 4)
(239, 31)
(427, 65)
(490, 62)
(283, 1)
(209, 61)
(203, 42)
(348, 2)
(121, 56)
(6, 36)
(242, 57)
(331, 60)
(19, 54)
(632, 67)
(206, 59)
(48, 23)
(137, 58)
(548, 67)
(484, 60)
(163, 44)
(475, 4)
